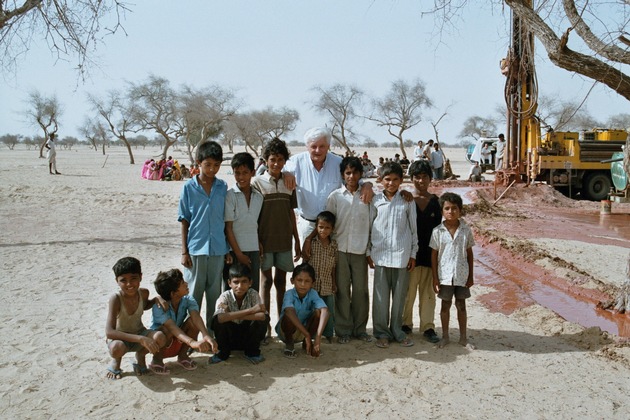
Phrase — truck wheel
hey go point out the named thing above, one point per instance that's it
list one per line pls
(596, 186)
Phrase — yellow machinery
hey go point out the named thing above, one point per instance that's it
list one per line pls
(570, 161)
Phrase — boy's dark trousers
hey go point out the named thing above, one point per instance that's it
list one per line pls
(245, 336)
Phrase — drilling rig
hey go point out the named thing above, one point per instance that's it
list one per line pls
(568, 161)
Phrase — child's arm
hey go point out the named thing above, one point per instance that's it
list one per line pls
(255, 313)
(323, 319)
(296, 236)
(306, 247)
(183, 337)
(205, 335)
(186, 261)
(291, 315)
(434, 270)
(411, 264)
(113, 334)
(469, 257)
(150, 302)
(231, 238)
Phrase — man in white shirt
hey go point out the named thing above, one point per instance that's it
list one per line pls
(52, 155)
(500, 152)
(417, 151)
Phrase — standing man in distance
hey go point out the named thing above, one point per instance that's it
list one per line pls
(500, 152)
(52, 155)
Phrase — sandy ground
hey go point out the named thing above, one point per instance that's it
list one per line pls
(62, 234)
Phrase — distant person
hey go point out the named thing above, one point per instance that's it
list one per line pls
(261, 167)
(437, 162)
(304, 314)
(393, 248)
(448, 170)
(486, 154)
(500, 153)
(452, 264)
(181, 323)
(124, 329)
(201, 214)
(52, 155)
(426, 151)
(240, 318)
(428, 216)
(417, 151)
(475, 173)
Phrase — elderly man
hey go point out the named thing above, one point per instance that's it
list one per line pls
(317, 173)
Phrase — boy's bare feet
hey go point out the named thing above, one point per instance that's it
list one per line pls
(464, 343)
(443, 342)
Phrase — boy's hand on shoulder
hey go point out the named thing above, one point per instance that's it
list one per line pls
(406, 195)
(367, 192)
(289, 180)
(162, 303)
(149, 344)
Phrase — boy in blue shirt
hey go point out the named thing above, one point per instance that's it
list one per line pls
(181, 323)
(304, 314)
(201, 213)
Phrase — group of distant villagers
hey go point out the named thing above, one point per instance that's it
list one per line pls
(167, 170)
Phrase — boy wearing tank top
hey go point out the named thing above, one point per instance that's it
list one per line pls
(124, 329)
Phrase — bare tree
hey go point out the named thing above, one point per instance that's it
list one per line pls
(477, 126)
(400, 109)
(70, 27)
(116, 112)
(10, 140)
(339, 102)
(43, 112)
(156, 107)
(255, 128)
(619, 122)
(564, 115)
(601, 50)
(205, 111)
(95, 132)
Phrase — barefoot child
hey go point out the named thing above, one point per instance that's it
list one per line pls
(452, 264)
(124, 329)
(304, 314)
(240, 318)
(181, 323)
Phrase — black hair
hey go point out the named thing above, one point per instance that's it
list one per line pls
(430, 141)
(209, 150)
(327, 217)
(275, 146)
(303, 268)
(127, 265)
(391, 167)
(243, 159)
(420, 167)
(501, 135)
(451, 198)
(239, 270)
(352, 162)
(168, 282)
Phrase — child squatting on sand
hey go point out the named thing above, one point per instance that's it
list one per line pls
(304, 314)
(452, 264)
(181, 323)
(124, 329)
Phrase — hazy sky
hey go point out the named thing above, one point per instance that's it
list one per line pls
(274, 52)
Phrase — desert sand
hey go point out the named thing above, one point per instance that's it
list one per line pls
(62, 234)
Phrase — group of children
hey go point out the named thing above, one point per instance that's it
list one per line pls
(251, 228)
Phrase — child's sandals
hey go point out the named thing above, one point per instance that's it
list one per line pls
(289, 353)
